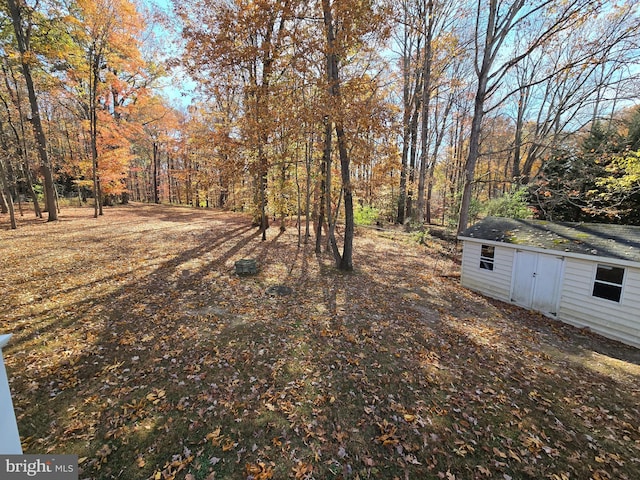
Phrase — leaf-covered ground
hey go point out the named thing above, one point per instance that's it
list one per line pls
(138, 348)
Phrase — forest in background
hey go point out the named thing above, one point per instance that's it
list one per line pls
(404, 111)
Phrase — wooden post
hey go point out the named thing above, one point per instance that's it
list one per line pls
(10, 438)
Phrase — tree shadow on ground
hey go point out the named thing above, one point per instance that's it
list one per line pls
(384, 371)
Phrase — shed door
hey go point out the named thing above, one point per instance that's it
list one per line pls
(536, 281)
(523, 276)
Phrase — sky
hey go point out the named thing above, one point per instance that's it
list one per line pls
(178, 89)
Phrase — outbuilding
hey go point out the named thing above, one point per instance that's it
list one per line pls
(584, 274)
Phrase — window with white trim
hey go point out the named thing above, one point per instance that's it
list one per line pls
(487, 255)
(608, 282)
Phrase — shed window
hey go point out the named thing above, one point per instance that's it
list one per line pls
(487, 255)
(608, 282)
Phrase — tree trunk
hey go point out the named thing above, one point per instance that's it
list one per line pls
(4, 208)
(7, 184)
(308, 164)
(283, 209)
(490, 42)
(324, 165)
(169, 179)
(432, 167)
(94, 64)
(516, 173)
(439, 134)
(402, 194)
(345, 261)
(474, 153)
(41, 142)
(298, 199)
(412, 159)
(406, 103)
(329, 213)
(21, 142)
(6, 196)
(262, 179)
(426, 103)
(156, 193)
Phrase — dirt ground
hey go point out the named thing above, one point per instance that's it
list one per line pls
(137, 347)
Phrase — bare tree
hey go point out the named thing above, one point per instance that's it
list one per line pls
(495, 56)
(569, 83)
(410, 40)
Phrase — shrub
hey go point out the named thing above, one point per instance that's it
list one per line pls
(365, 215)
(510, 205)
(421, 236)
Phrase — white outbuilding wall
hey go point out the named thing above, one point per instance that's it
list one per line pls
(616, 320)
(494, 283)
(573, 280)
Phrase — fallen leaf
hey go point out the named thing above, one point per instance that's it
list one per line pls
(302, 470)
(259, 471)
(499, 453)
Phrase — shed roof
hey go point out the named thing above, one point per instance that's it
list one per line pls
(595, 239)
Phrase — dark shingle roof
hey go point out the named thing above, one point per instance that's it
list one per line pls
(597, 239)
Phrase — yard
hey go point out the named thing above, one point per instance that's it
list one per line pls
(138, 348)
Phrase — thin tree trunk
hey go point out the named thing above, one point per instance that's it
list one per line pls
(412, 160)
(439, 133)
(516, 173)
(8, 175)
(308, 164)
(325, 176)
(21, 142)
(156, 193)
(93, 131)
(283, 180)
(263, 169)
(429, 192)
(474, 154)
(4, 208)
(6, 195)
(402, 194)
(169, 179)
(298, 199)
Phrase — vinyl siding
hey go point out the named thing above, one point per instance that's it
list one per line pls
(578, 307)
(494, 283)
(619, 321)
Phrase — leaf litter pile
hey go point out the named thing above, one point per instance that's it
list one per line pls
(138, 348)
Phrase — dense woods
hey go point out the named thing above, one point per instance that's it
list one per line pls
(328, 112)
